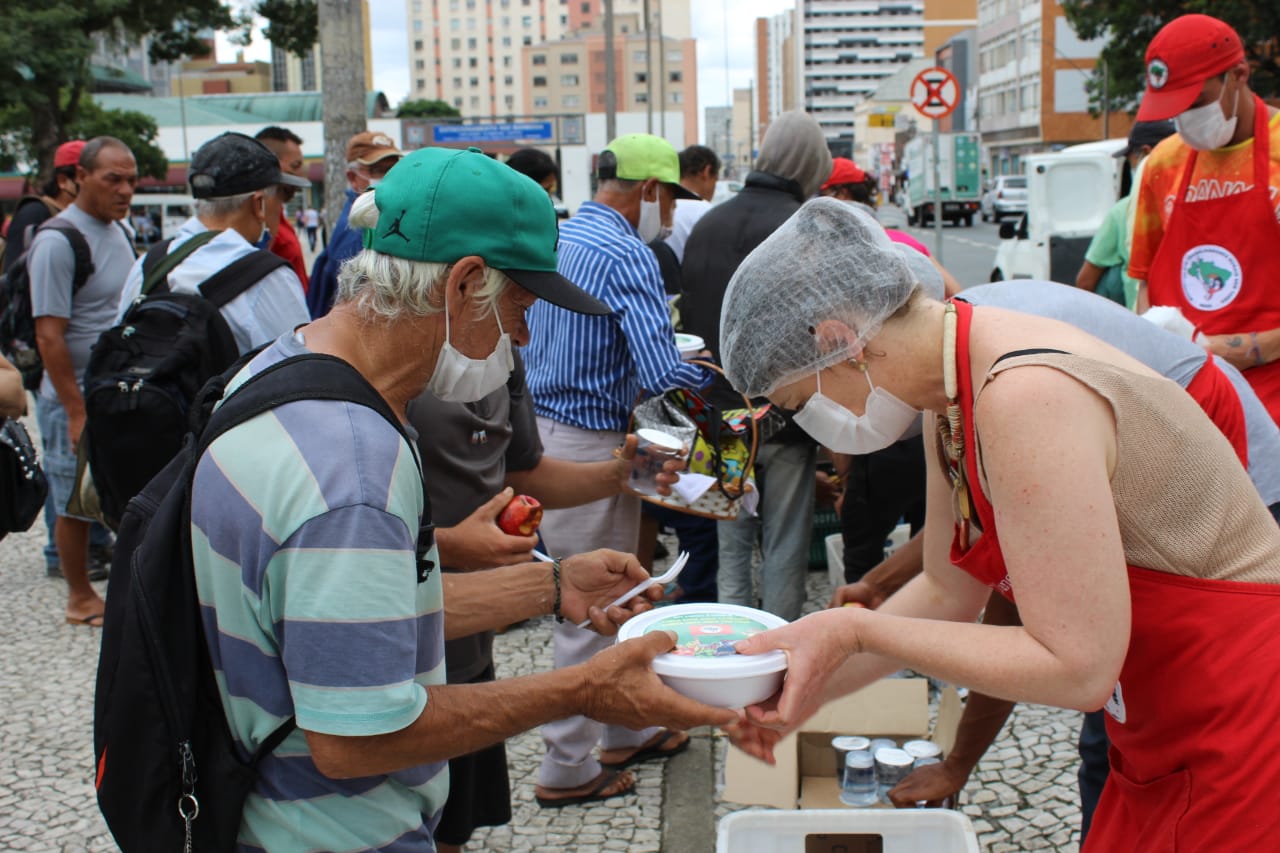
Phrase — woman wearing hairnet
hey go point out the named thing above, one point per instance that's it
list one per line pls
(1063, 474)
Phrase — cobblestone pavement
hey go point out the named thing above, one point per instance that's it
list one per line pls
(1022, 797)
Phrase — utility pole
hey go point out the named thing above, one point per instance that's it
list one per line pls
(648, 68)
(662, 76)
(610, 76)
(343, 85)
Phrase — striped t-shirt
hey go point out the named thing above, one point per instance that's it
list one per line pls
(304, 524)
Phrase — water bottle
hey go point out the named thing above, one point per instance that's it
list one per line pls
(859, 788)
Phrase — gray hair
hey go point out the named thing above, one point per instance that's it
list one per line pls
(387, 287)
(221, 208)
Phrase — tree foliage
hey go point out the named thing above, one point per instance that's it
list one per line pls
(423, 108)
(135, 129)
(47, 48)
(1129, 25)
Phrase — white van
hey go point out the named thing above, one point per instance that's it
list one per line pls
(165, 211)
(1069, 193)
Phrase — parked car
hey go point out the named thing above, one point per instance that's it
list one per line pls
(1006, 197)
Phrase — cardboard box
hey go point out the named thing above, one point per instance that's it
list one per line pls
(805, 775)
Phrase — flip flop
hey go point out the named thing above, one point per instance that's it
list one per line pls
(94, 620)
(652, 751)
(603, 782)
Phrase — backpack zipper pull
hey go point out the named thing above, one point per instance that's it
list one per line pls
(188, 805)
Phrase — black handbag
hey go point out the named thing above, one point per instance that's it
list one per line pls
(22, 482)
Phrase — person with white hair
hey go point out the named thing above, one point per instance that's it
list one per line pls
(306, 524)
(1067, 476)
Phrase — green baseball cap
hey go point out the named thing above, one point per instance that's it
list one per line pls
(639, 157)
(439, 205)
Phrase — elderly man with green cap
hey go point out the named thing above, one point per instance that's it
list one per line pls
(584, 372)
(323, 599)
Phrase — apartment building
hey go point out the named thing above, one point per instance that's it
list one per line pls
(468, 53)
(1032, 71)
(293, 73)
(568, 75)
(848, 48)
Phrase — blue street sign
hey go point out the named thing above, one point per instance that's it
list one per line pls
(492, 132)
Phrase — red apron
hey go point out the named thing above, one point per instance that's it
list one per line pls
(1193, 720)
(1211, 388)
(1215, 261)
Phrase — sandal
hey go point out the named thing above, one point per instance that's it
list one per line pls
(656, 748)
(93, 620)
(596, 793)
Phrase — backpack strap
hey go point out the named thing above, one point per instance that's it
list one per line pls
(159, 261)
(79, 247)
(240, 275)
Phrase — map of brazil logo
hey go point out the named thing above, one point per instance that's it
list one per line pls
(1211, 277)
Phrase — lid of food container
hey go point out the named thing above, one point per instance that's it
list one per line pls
(893, 757)
(921, 749)
(661, 439)
(705, 634)
(689, 343)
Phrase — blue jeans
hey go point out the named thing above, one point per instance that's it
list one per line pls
(698, 536)
(59, 462)
(785, 476)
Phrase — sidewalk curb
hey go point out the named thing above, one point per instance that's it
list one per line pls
(688, 798)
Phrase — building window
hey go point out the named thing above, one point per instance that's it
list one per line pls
(640, 57)
(417, 26)
(455, 44)
(471, 44)
(308, 67)
(474, 81)
(526, 21)
(677, 97)
(472, 62)
(506, 41)
(506, 62)
(527, 40)
(417, 44)
(457, 103)
(569, 101)
(457, 82)
(568, 79)
(510, 101)
(675, 77)
(475, 102)
(457, 62)
(568, 59)
(508, 80)
(674, 56)
(642, 77)
(539, 82)
(586, 8)
(419, 64)
(540, 103)
(422, 84)
(642, 97)
(454, 24)
(539, 59)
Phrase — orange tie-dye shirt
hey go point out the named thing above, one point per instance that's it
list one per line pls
(1219, 174)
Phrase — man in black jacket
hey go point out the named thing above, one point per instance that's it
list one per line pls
(793, 163)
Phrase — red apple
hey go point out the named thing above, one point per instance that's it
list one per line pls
(521, 517)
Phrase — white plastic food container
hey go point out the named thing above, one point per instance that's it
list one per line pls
(689, 345)
(704, 665)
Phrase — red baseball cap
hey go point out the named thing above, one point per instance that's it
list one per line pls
(1186, 52)
(68, 153)
(844, 171)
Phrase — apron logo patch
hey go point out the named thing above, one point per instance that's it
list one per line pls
(1115, 705)
(1211, 277)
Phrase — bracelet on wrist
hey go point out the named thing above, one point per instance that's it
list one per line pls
(1255, 350)
(555, 577)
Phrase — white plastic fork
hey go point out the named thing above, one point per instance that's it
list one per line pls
(665, 578)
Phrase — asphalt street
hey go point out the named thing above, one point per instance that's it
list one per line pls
(967, 252)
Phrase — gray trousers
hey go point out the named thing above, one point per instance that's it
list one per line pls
(609, 523)
(784, 475)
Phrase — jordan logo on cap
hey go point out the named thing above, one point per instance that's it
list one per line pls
(395, 231)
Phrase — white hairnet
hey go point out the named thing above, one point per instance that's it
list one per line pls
(821, 284)
(924, 272)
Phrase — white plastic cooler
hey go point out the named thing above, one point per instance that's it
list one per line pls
(847, 831)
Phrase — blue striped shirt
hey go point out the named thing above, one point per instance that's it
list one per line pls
(586, 371)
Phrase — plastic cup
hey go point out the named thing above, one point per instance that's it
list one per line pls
(654, 449)
(858, 788)
(892, 766)
(689, 345)
(845, 744)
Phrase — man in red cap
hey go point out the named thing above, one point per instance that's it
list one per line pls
(1206, 216)
(58, 192)
(848, 182)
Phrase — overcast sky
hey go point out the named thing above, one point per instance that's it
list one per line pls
(710, 19)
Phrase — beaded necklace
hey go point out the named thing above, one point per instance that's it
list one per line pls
(951, 430)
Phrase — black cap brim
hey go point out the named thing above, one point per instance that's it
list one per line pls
(558, 290)
(294, 181)
(682, 192)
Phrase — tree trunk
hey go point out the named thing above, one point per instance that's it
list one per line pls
(342, 84)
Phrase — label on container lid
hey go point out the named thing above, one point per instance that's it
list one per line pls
(707, 634)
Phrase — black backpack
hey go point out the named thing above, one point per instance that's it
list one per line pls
(144, 373)
(17, 324)
(168, 771)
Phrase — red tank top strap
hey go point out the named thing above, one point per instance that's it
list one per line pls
(982, 506)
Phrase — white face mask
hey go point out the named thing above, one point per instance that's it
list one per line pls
(886, 420)
(1206, 128)
(651, 227)
(459, 379)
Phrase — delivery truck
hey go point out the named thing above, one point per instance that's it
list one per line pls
(959, 174)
